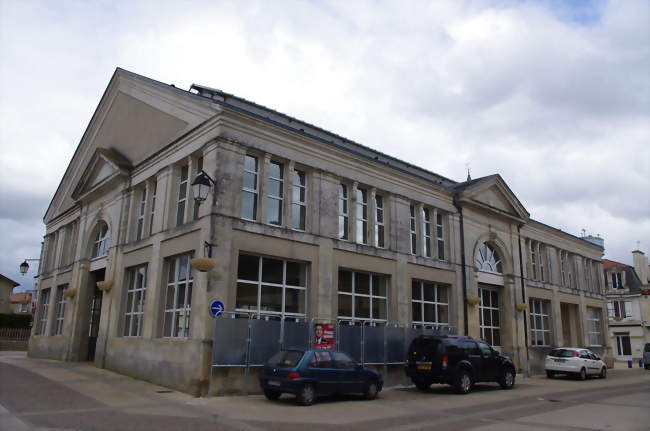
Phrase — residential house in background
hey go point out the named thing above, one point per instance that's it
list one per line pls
(6, 287)
(628, 306)
(22, 303)
(301, 223)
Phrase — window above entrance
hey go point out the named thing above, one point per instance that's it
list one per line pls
(487, 259)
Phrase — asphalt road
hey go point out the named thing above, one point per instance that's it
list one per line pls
(52, 395)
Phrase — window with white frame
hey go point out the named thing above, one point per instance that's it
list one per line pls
(60, 309)
(250, 188)
(430, 302)
(617, 280)
(593, 317)
(267, 285)
(275, 193)
(178, 297)
(362, 216)
(135, 295)
(183, 183)
(139, 230)
(45, 306)
(426, 232)
(362, 296)
(154, 186)
(619, 309)
(379, 221)
(413, 231)
(489, 314)
(199, 168)
(533, 259)
(440, 236)
(102, 240)
(487, 259)
(299, 200)
(540, 322)
(343, 211)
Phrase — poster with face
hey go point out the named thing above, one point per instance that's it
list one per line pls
(324, 336)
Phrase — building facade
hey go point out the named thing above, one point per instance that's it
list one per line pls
(628, 306)
(301, 223)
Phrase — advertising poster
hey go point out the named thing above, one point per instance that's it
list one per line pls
(324, 336)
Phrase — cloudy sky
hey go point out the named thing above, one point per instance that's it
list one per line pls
(552, 95)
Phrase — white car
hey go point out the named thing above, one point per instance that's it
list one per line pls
(574, 361)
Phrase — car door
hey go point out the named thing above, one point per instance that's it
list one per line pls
(586, 362)
(474, 356)
(594, 363)
(349, 374)
(489, 362)
(324, 372)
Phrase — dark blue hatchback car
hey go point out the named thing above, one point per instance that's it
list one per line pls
(308, 373)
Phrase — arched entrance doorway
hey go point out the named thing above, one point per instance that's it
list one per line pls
(97, 272)
(490, 291)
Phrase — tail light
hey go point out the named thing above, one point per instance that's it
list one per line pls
(262, 372)
(445, 362)
(293, 376)
(575, 353)
(408, 360)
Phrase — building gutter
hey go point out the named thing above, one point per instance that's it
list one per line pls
(523, 291)
(462, 261)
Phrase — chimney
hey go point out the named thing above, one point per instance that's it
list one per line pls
(641, 266)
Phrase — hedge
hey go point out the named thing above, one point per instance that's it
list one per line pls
(15, 320)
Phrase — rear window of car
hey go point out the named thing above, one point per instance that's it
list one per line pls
(288, 358)
(647, 347)
(561, 353)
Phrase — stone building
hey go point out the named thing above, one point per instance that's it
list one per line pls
(301, 222)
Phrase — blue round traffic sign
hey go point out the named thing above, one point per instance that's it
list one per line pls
(216, 308)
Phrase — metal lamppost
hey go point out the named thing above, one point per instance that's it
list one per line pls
(24, 267)
(200, 189)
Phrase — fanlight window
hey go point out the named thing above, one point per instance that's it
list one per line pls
(102, 241)
(488, 260)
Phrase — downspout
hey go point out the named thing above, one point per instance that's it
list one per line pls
(462, 261)
(523, 292)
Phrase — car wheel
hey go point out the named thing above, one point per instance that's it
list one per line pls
(507, 378)
(550, 374)
(603, 373)
(463, 383)
(371, 391)
(306, 395)
(272, 394)
(582, 375)
(647, 366)
(423, 386)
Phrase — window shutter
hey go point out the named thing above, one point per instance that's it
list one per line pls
(610, 310)
(628, 309)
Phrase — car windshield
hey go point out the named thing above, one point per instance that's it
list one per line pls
(561, 353)
(285, 358)
(647, 347)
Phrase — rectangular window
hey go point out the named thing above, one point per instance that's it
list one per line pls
(619, 309)
(154, 186)
(45, 305)
(379, 221)
(362, 216)
(343, 211)
(271, 286)
(617, 280)
(135, 294)
(141, 208)
(490, 318)
(413, 231)
(182, 195)
(623, 345)
(102, 241)
(563, 267)
(540, 261)
(593, 316)
(299, 201)
(426, 231)
(540, 324)
(440, 236)
(199, 168)
(362, 296)
(60, 309)
(587, 269)
(533, 259)
(249, 189)
(430, 303)
(178, 297)
(275, 195)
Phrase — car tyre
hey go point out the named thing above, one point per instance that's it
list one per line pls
(463, 382)
(272, 394)
(422, 386)
(647, 366)
(550, 374)
(582, 375)
(603, 373)
(307, 395)
(507, 378)
(371, 391)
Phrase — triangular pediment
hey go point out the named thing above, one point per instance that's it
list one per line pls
(492, 194)
(136, 118)
(105, 167)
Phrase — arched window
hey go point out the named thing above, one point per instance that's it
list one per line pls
(102, 240)
(488, 260)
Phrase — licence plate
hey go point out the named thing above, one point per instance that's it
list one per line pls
(558, 360)
(424, 367)
(273, 383)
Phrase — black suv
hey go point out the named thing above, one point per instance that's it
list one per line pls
(458, 361)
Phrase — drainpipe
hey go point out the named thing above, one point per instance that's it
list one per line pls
(462, 260)
(523, 291)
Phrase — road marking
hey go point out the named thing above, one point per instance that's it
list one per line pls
(11, 422)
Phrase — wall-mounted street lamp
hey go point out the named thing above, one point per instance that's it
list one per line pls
(201, 186)
(24, 267)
